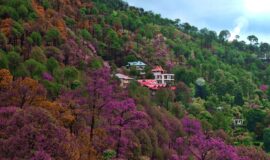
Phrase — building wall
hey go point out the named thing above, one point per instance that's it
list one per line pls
(164, 78)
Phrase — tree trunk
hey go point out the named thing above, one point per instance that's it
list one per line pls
(118, 144)
(92, 128)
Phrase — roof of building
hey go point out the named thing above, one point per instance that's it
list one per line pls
(151, 84)
(136, 63)
(122, 76)
(173, 88)
(158, 69)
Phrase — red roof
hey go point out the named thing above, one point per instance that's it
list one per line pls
(173, 88)
(158, 69)
(151, 84)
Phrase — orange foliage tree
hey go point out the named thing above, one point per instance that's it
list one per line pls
(26, 91)
(5, 79)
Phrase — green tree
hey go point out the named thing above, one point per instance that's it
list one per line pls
(253, 39)
(96, 63)
(85, 34)
(254, 116)
(36, 38)
(164, 97)
(238, 99)
(38, 54)
(70, 74)
(53, 36)
(34, 68)
(14, 60)
(221, 121)
(3, 40)
(23, 11)
(97, 31)
(3, 60)
(17, 32)
(113, 41)
(224, 35)
(52, 64)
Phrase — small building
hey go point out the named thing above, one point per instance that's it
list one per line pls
(161, 77)
(139, 65)
(238, 122)
(125, 80)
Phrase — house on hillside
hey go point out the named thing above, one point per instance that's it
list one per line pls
(161, 77)
(238, 122)
(139, 65)
(125, 80)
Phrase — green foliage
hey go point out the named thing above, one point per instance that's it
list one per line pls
(53, 89)
(75, 84)
(36, 38)
(96, 63)
(254, 117)
(70, 21)
(17, 29)
(202, 91)
(35, 68)
(14, 60)
(164, 97)
(130, 58)
(46, 4)
(85, 34)
(184, 75)
(133, 71)
(3, 60)
(53, 36)
(109, 154)
(84, 11)
(23, 11)
(113, 39)
(21, 71)
(221, 121)
(70, 74)
(98, 32)
(266, 139)
(6, 11)
(238, 99)
(177, 110)
(55, 53)
(52, 64)
(37, 54)
(3, 40)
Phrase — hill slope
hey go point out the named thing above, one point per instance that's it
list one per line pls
(60, 100)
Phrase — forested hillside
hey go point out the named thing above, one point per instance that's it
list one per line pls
(60, 100)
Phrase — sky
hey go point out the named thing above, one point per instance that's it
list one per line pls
(240, 17)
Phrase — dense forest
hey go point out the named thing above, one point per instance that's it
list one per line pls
(59, 98)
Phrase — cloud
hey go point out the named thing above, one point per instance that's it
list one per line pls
(241, 24)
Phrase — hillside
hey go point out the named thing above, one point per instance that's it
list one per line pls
(80, 80)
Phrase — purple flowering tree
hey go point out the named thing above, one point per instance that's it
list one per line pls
(191, 126)
(41, 155)
(100, 93)
(75, 53)
(123, 117)
(32, 133)
(202, 147)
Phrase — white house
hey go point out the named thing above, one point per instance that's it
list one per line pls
(238, 122)
(161, 77)
(138, 64)
(125, 80)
